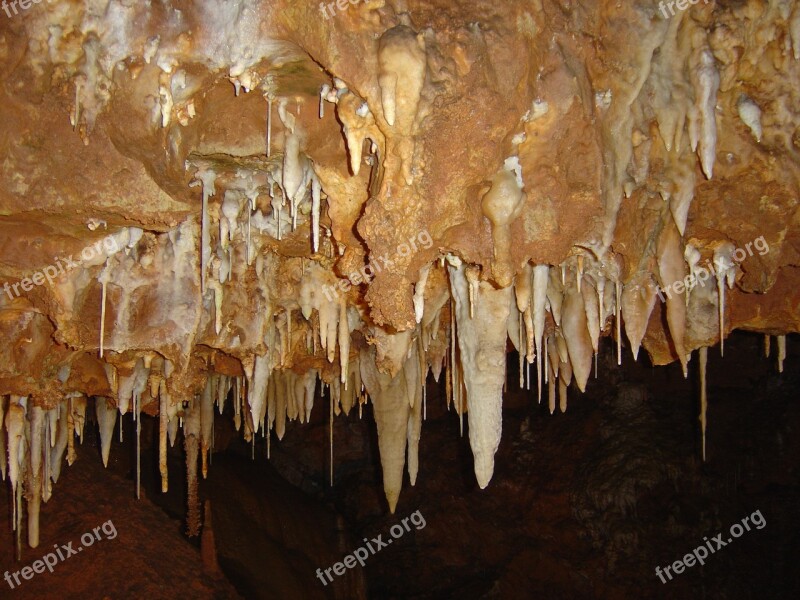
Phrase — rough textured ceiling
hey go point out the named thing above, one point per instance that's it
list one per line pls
(526, 170)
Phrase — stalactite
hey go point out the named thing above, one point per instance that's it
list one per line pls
(34, 495)
(546, 353)
(501, 205)
(413, 434)
(207, 421)
(191, 435)
(71, 455)
(703, 396)
(419, 292)
(79, 414)
(725, 271)
(540, 282)
(316, 193)
(330, 428)
(589, 294)
(280, 406)
(106, 419)
(46, 482)
(482, 344)
(473, 278)
(638, 299)
(672, 268)
(577, 337)
(137, 413)
(565, 377)
(104, 276)
(269, 126)
(60, 446)
(618, 320)
(781, 352)
(257, 388)
(344, 344)
(163, 425)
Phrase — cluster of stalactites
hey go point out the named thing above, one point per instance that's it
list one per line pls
(32, 444)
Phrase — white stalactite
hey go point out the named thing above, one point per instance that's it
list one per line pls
(106, 419)
(482, 343)
(725, 271)
(36, 453)
(577, 337)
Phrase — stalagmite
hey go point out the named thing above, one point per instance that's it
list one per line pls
(482, 342)
(106, 419)
(703, 396)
